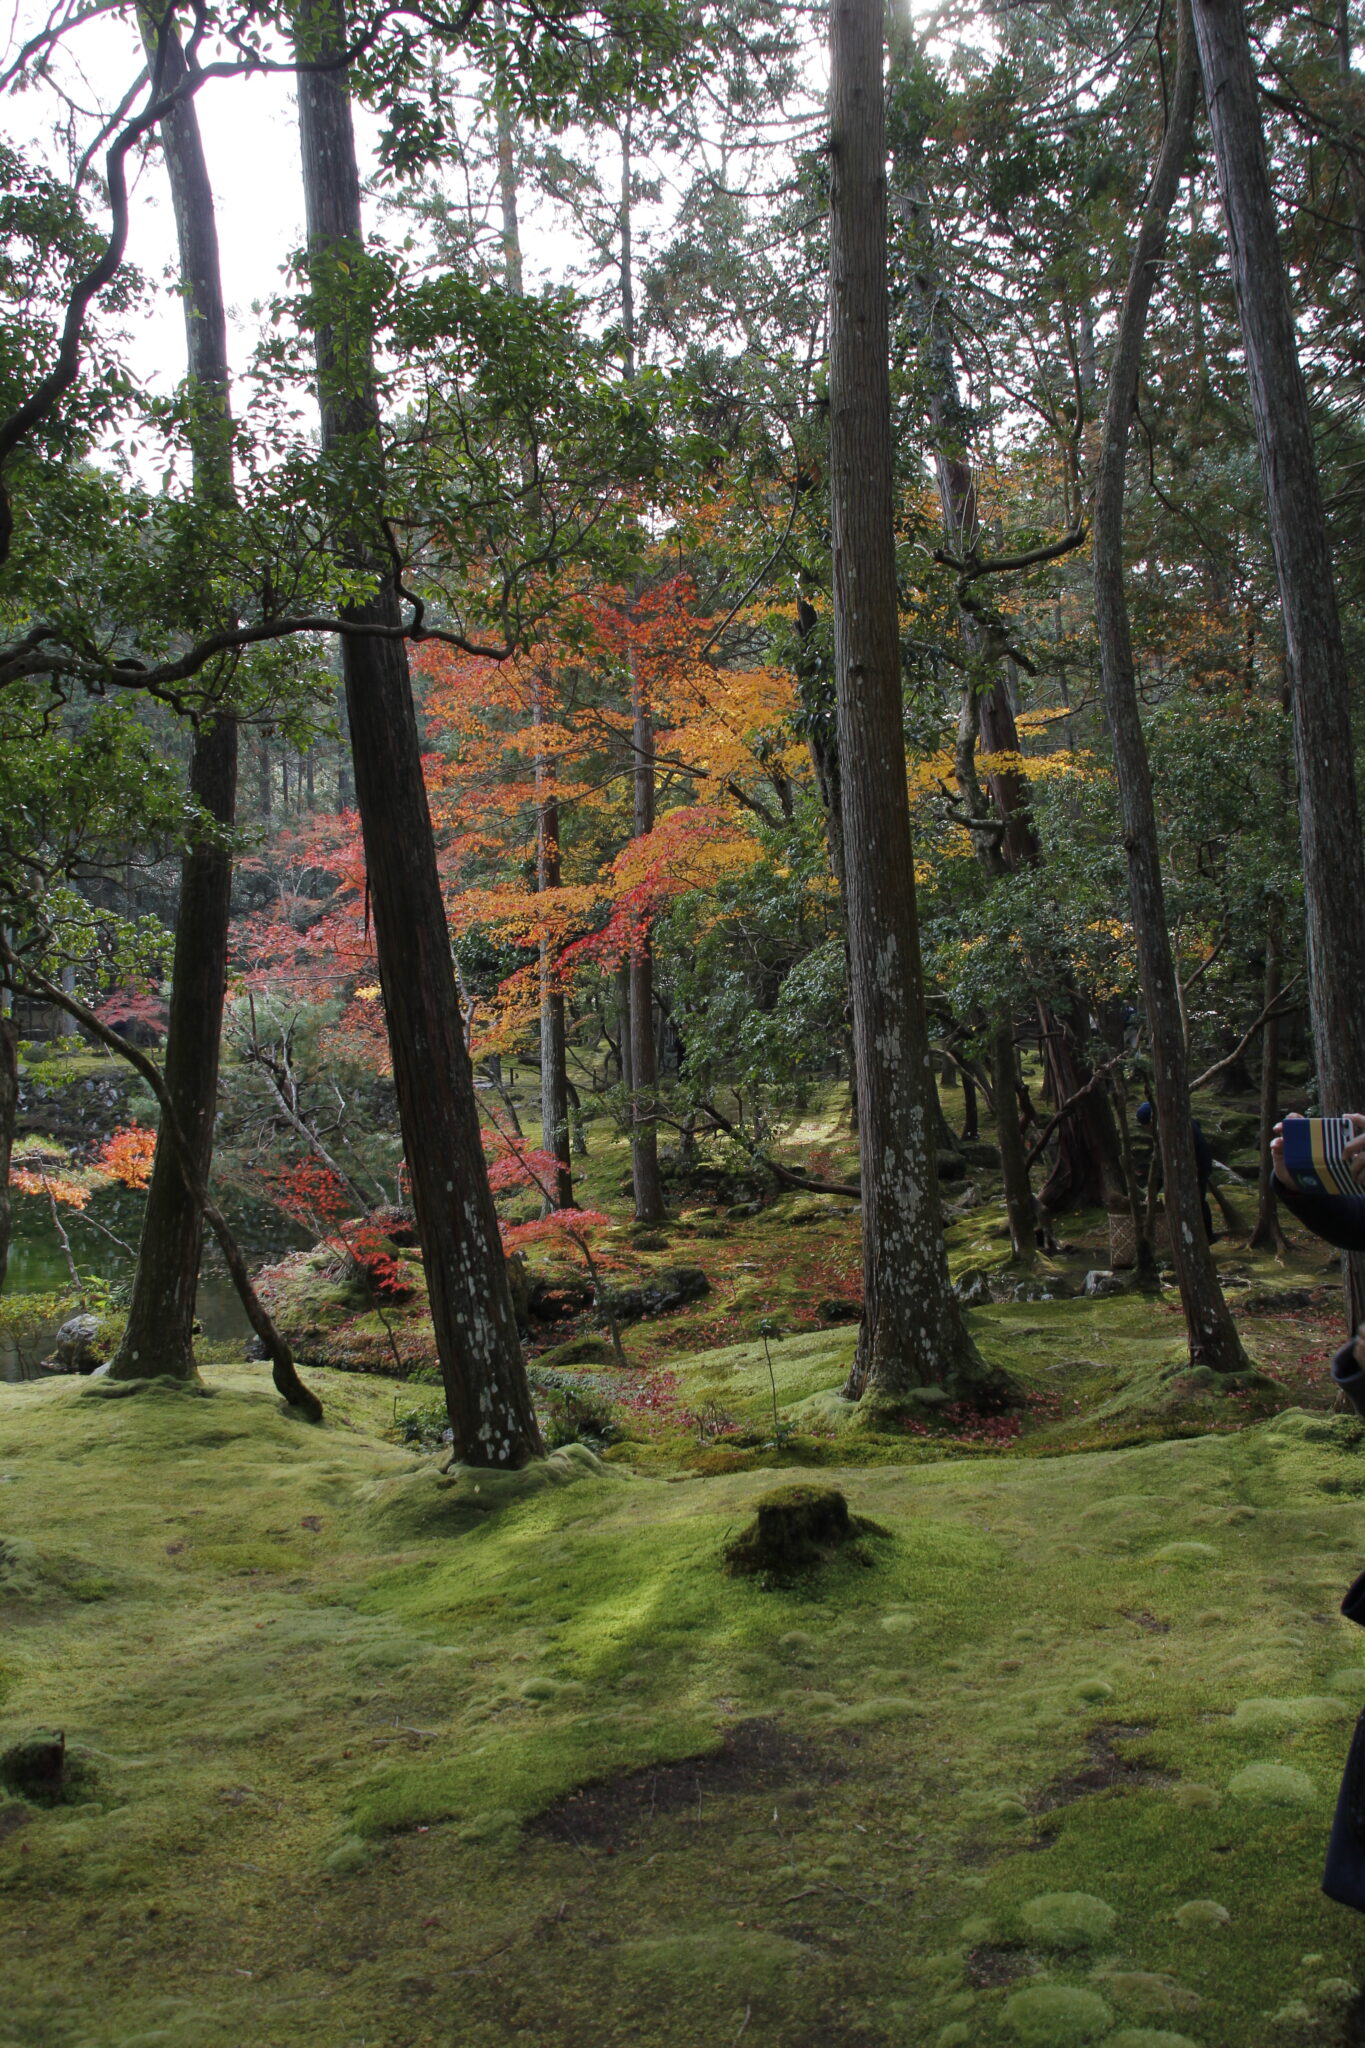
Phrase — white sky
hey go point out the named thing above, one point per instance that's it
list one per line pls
(251, 141)
(250, 134)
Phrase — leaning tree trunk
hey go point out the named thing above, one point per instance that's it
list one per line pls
(486, 1389)
(913, 1335)
(158, 1338)
(1212, 1333)
(1319, 681)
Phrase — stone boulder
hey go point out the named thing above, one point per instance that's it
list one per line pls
(1099, 1282)
(671, 1289)
(76, 1346)
(973, 1288)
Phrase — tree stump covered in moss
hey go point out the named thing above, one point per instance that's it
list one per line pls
(38, 1769)
(795, 1529)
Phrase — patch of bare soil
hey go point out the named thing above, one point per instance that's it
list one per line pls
(991, 1966)
(1105, 1769)
(756, 1756)
(1146, 1619)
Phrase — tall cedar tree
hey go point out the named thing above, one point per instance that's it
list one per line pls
(554, 1073)
(1319, 683)
(913, 1335)
(159, 1337)
(643, 1062)
(1212, 1333)
(1088, 1167)
(472, 1314)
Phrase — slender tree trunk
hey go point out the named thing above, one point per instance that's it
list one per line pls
(1212, 1333)
(913, 1335)
(158, 1338)
(644, 1066)
(486, 1390)
(1355, 180)
(507, 174)
(971, 1112)
(622, 1005)
(1089, 1160)
(1319, 680)
(1314, 650)
(9, 1116)
(1268, 1235)
(987, 830)
(277, 1350)
(1145, 1271)
(1013, 1158)
(554, 1078)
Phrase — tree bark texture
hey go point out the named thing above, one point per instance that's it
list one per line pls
(913, 1334)
(644, 1063)
(1212, 1333)
(984, 829)
(486, 1389)
(554, 1077)
(1329, 816)
(507, 171)
(159, 1335)
(1268, 1234)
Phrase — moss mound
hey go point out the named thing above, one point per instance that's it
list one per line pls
(1067, 1920)
(1056, 2016)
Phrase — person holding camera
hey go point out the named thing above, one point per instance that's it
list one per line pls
(1340, 1220)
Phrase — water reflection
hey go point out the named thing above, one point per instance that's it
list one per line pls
(38, 1268)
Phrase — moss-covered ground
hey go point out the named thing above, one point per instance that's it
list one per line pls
(369, 1756)
(377, 1756)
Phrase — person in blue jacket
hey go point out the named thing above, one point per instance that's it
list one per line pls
(1204, 1162)
(1340, 1219)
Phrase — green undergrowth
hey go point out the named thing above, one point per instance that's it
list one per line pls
(368, 1754)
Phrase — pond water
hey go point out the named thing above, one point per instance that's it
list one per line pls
(38, 1267)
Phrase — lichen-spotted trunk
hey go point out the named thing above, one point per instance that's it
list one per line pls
(914, 1337)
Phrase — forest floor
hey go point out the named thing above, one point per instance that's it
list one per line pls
(369, 1757)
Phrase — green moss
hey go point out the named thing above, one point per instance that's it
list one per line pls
(1056, 2016)
(310, 1646)
(1148, 2037)
(1067, 1920)
(1273, 1785)
(1281, 1716)
(519, 1776)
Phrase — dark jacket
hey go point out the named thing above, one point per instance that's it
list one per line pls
(1343, 1879)
(1340, 1219)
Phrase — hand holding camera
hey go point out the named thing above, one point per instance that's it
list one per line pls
(1321, 1155)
